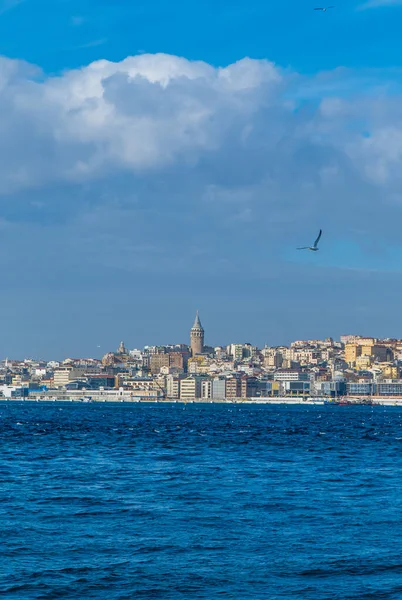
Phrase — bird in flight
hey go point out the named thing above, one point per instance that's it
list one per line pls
(324, 8)
(313, 248)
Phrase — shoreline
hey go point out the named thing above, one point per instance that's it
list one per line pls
(105, 399)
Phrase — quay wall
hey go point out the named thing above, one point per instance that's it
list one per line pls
(122, 396)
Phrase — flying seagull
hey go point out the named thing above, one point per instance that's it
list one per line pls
(324, 8)
(313, 248)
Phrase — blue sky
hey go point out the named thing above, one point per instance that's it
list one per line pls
(175, 173)
(60, 34)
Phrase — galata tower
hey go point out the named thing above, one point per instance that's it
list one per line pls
(197, 337)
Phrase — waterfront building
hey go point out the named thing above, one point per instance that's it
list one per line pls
(232, 388)
(389, 388)
(64, 375)
(291, 375)
(173, 386)
(360, 389)
(273, 388)
(218, 388)
(197, 337)
(249, 386)
(263, 388)
(331, 388)
(13, 392)
(296, 388)
(206, 389)
(190, 388)
(94, 382)
(142, 386)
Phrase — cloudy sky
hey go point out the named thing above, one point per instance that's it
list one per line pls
(157, 161)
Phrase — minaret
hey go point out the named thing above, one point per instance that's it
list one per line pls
(197, 337)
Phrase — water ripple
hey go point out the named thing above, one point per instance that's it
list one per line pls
(209, 502)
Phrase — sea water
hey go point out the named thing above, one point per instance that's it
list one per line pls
(173, 501)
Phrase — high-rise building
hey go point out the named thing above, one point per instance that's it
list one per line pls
(197, 337)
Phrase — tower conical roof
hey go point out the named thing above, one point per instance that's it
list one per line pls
(197, 322)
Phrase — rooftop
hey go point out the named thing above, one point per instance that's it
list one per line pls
(197, 322)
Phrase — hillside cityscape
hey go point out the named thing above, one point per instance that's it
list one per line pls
(355, 367)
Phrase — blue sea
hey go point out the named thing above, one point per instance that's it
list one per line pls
(178, 502)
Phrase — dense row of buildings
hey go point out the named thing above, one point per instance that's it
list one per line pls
(355, 366)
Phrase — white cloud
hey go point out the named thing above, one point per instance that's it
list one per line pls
(93, 43)
(379, 3)
(160, 174)
(144, 112)
(249, 126)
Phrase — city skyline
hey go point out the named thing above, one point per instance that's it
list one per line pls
(355, 369)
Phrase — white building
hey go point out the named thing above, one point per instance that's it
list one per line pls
(190, 388)
(64, 375)
(206, 389)
(173, 387)
(290, 375)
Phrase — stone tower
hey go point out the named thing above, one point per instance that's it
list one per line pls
(197, 337)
